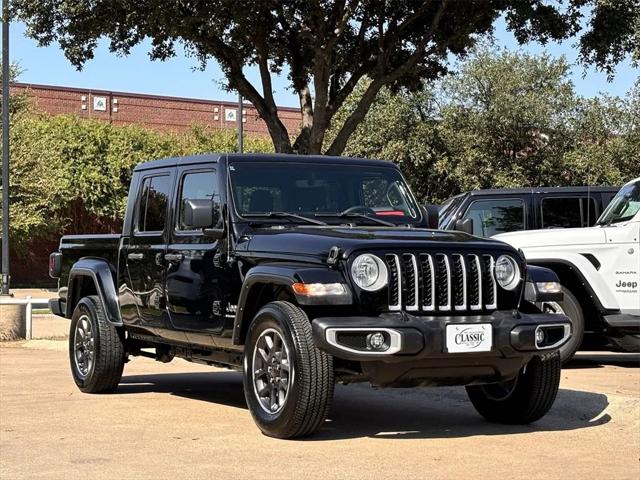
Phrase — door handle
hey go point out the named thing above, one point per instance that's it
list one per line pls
(173, 257)
(135, 256)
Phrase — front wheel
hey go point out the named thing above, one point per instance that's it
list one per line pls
(288, 382)
(524, 399)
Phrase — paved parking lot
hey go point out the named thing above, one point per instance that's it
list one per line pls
(181, 420)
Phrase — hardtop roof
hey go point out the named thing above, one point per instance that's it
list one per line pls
(258, 157)
(519, 191)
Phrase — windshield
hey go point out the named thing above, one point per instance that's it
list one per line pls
(624, 205)
(327, 191)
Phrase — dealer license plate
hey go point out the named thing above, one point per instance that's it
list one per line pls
(476, 337)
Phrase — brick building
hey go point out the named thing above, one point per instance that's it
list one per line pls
(151, 111)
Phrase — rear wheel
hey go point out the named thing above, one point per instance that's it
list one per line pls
(570, 307)
(288, 382)
(524, 399)
(96, 348)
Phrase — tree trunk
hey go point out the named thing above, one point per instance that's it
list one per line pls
(281, 142)
(356, 117)
(301, 145)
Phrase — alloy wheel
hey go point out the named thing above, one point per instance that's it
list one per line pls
(272, 371)
(84, 346)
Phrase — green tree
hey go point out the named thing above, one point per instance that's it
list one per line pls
(328, 46)
(606, 141)
(403, 128)
(506, 120)
(71, 175)
(18, 103)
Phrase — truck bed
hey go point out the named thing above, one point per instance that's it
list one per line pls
(75, 247)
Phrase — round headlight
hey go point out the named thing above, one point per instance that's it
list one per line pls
(369, 272)
(507, 272)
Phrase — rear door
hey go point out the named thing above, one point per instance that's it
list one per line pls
(566, 211)
(143, 251)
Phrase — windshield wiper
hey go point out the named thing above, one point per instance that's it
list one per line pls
(288, 216)
(356, 215)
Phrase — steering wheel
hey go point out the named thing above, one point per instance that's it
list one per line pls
(358, 209)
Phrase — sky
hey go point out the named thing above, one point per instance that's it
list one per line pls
(179, 77)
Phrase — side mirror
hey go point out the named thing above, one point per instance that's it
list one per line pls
(203, 214)
(433, 212)
(464, 225)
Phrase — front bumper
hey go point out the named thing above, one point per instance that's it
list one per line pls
(418, 354)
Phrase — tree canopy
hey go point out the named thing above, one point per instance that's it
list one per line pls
(18, 103)
(327, 46)
(504, 120)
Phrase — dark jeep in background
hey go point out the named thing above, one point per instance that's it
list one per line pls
(493, 211)
(304, 271)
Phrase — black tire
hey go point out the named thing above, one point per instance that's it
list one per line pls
(104, 372)
(572, 309)
(309, 393)
(524, 400)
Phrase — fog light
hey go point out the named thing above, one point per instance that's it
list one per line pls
(539, 336)
(377, 341)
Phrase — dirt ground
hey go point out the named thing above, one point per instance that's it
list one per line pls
(181, 420)
(48, 326)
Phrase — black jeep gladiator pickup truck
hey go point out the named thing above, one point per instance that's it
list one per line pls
(303, 272)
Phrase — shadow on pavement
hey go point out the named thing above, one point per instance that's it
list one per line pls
(446, 413)
(224, 388)
(360, 411)
(599, 360)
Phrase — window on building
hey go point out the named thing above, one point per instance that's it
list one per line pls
(196, 186)
(567, 212)
(152, 210)
(491, 217)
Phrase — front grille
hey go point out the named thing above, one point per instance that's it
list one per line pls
(441, 282)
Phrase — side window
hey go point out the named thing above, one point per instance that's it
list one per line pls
(491, 217)
(567, 212)
(195, 186)
(152, 210)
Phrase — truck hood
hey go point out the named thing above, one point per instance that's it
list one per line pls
(553, 237)
(314, 241)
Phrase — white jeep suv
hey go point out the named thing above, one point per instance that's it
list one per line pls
(599, 268)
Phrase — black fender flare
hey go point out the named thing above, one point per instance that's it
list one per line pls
(278, 274)
(99, 272)
(541, 274)
(535, 275)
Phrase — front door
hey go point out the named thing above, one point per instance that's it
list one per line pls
(144, 251)
(621, 263)
(493, 216)
(196, 273)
